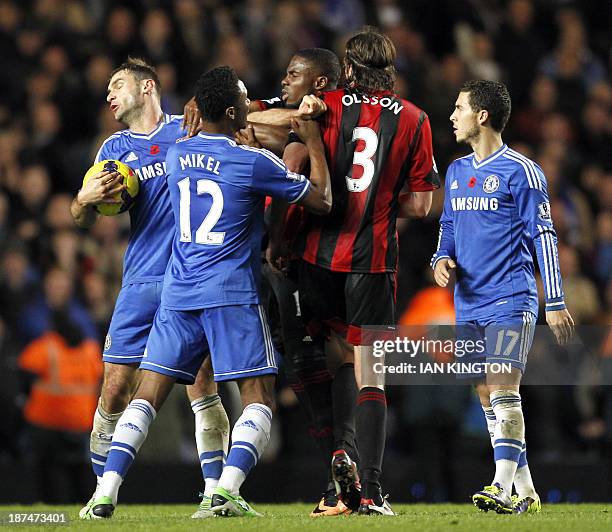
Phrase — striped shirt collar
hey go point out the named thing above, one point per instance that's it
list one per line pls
(490, 158)
(215, 136)
(148, 136)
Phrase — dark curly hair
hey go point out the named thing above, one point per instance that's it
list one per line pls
(325, 62)
(371, 55)
(215, 91)
(491, 96)
(140, 69)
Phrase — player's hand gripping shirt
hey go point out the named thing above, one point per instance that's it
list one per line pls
(217, 191)
(151, 219)
(375, 144)
(495, 212)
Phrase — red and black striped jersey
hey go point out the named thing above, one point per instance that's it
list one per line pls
(377, 145)
(271, 103)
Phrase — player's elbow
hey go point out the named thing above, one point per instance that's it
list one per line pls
(421, 211)
(326, 206)
(420, 204)
(85, 222)
(82, 218)
(317, 202)
(320, 208)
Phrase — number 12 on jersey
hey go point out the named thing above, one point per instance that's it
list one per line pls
(204, 234)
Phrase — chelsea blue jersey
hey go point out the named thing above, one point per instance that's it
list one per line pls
(217, 190)
(152, 225)
(496, 218)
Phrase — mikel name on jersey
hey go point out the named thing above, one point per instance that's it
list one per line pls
(199, 160)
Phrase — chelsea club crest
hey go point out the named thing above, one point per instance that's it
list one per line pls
(107, 342)
(491, 184)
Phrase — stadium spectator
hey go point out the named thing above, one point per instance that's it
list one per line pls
(37, 318)
(603, 253)
(28, 208)
(157, 34)
(62, 369)
(542, 102)
(122, 36)
(18, 285)
(581, 292)
(517, 37)
(99, 305)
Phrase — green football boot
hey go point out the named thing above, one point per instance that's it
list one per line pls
(227, 505)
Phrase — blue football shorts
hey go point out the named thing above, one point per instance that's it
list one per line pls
(131, 322)
(504, 339)
(237, 336)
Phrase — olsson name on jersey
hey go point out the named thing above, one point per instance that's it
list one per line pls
(151, 170)
(199, 160)
(474, 203)
(393, 105)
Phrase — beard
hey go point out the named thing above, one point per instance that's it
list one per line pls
(472, 134)
(132, 110)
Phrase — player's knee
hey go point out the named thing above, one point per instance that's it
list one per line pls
(116, 392)
(202, 387)
(338, 352)
(115, 398)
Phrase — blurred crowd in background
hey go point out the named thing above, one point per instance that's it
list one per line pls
(58, 283)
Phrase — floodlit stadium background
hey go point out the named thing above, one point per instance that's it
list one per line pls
(55, 60)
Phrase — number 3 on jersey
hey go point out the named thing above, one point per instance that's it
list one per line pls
(363, 158)
(204, 234)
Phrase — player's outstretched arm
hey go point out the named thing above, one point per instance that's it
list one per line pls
(192, 116)
(270, 137)
(310, 108)
(101, 188)
(319, 197)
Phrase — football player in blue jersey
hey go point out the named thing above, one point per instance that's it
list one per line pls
(134, 98)
(496, 210)
(210, 291)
